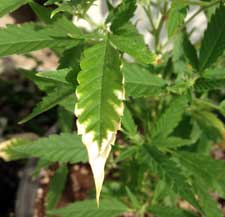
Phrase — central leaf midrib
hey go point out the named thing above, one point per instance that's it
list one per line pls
(104, 65)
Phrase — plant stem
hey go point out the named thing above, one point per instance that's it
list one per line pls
(156, 31)
(159, 28)
(191, 18)
(200, 10)
(149, 15)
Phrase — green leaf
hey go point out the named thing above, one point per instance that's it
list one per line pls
(7, 146)
(109, 207)
(206, 169)
(190, 52)
(52, 99)
(42, 13)
(51, 2)
(176, 17)
(99, 107)
(128, 123)
(182, 57)
(160, 211)
(69, 103)
(173, 176)
(169, 120)
(209, 206)
(222, 107)
(134, 201)
(214, 73)
(204, 84)
(206, 118)
(71, 59)
(64, 148)
(41, 164)
(62, 28)
(126, 153)
(60, 75)
(181, 86)
(78, 8)
(139, 82)
(122, 14)
(65, 119)
(128, 40)
(25, 38)
(43, 84)
(213, 43)
(56, 187)
(172, 142)
(7, 6)
(163, 194)
(64, 7)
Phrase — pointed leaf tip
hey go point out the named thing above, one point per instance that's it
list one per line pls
(97, 160)
(99, 106)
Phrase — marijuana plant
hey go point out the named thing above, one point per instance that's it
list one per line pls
(167, 104)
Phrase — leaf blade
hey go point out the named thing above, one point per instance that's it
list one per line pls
(20, 39)
(109, 207)
(170, 118)
(55, 97)
(213, 44)
(174, 177)
(139, 82)
(56, 187)
(64, 148)
(99, 107)
(128, 40)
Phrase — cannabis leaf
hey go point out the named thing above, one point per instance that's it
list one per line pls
(71, 59)
(206, 169)
(190, 52)
(128, 40)
(172, 142)
(209, 206)
(42, 12)
(60, 75)
(122, 14)
(99, 107)
(65, 119)
(173, 176)
(65, 148)
(109, 207)
(43, 84)
(161, 211)
(175, 18)
(214, 73)
(139, 82)
(204, 84)
(213, 43)
(183, 54)
(170, 118)
(207, 174)
(20, 39)
(128, 123)
(8, 6)
(56, 187)
(6, 147)
(53, 98)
